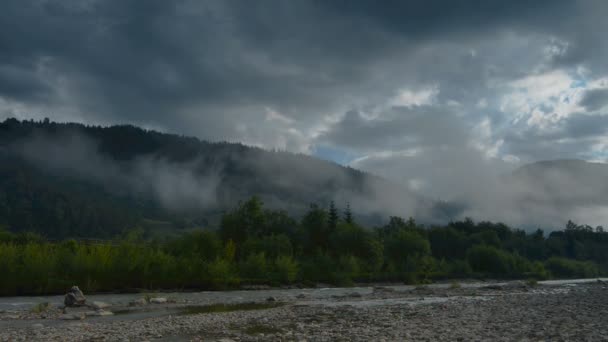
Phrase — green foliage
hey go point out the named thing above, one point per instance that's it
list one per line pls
(565, 268)
(332, 216)
(273, 246)
(254, 268)
(285, 270)
(41, 307)
(532, 282)
(489, 260)
(267, 247)
(405, 244)
(221, 274)
(348, 214)
(353, 240)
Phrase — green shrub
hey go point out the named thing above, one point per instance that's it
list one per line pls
(459, 269)
(285, 269)
(221, 275)
(254, 268)
(567, 268)
(489, 260)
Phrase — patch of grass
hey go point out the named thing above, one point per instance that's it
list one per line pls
(41, 307)
(455, 285)
(532, 282)
(148, 296)
(214, 308)
(261, 329)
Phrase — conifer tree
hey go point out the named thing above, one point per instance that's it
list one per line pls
(348, 214)
(332, 219)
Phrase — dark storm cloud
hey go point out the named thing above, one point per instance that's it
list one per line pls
(148, 61)
(595, 99)
(423, 18)
(349, 74)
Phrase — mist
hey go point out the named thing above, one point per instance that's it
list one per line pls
(455, 182)
(176, 186)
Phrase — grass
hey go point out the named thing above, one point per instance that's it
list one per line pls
(41, 307)
(215, 308)
(532, 282)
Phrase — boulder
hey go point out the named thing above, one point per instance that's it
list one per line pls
(158, 300)
(271, 299)
(74, 297)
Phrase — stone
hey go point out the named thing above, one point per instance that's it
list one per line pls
(74, 297)
(271, 299)
(98, 313)
(158, 300)
(37, 326)
(138, 302)
(99, 305)
(301, 296)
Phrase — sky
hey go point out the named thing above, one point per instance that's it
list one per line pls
(433, 94)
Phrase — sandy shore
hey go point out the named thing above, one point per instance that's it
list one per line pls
(565, 312)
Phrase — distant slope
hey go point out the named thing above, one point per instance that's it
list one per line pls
(565, 182)
(75, 180)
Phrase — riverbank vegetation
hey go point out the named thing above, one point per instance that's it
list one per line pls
(254, 245)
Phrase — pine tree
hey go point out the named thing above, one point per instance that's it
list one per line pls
(348, 214)
(332, 219)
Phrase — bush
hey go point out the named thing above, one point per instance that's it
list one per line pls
(254, 268)
(459, 269)
(285, 270)
(405, 244)
(566, 268)
(221, 275)
(489, 260)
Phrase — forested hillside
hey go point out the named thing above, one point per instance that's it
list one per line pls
(71, 180)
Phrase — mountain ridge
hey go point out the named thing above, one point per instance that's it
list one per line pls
(184, 176)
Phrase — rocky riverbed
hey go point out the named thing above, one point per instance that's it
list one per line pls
(493, 312)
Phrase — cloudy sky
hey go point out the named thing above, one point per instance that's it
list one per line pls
(428, 93)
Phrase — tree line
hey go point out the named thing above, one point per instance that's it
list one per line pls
(255, 245)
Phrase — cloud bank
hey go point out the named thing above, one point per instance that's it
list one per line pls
(443, 97)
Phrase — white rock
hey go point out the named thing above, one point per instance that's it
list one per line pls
(158, 300)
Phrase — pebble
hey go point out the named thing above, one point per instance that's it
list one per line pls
(558, 313)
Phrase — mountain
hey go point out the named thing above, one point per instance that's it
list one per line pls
(66, 179)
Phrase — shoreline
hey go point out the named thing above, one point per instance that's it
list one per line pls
(255, 287)
(565, 311)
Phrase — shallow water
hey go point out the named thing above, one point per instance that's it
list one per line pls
(231, 297)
